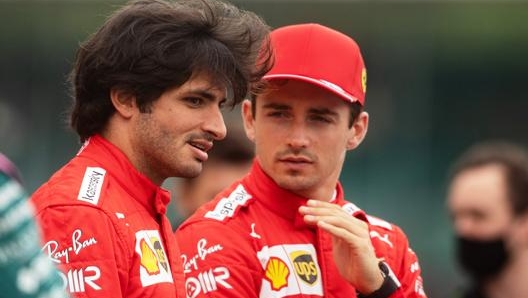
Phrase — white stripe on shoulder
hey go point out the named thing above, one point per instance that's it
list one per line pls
(379, 222)
(91, 185)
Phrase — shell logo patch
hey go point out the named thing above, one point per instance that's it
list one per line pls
(304, 265)
(364, 80)
(277, 273)
(154, 265)
(290, 270)
(148, 259)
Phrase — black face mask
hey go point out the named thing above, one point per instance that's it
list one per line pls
(482, 259)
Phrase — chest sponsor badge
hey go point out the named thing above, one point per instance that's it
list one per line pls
(154, 265)
(227, 207)
(290, 269)
(305, 266)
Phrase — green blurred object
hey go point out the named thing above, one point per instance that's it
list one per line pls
(26, 271)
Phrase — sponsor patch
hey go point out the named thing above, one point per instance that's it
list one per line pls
(202, 251)
(418, 287)
(60, 253)
(91, 185)
(290, 269)
(226, 207)
(305, 266)
(81, 279)
(277, 273)
(154, 267)
(207, 281)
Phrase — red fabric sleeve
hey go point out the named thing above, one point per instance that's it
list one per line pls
(407, 269)
(87, 247)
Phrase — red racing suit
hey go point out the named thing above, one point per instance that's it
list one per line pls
(104, 224)
(251, 241)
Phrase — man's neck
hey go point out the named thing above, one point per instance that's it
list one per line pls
(512, 282)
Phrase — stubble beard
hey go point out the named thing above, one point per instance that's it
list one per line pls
(163, 155)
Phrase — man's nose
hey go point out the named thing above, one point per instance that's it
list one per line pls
(298, 135)
(215, 124)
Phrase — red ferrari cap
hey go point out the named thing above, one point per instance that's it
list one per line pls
(321, 56)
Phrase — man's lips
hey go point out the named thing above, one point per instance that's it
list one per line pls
(202, 145)
(295, 159)
(200, 148)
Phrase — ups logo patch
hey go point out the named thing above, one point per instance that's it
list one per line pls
(304, 265)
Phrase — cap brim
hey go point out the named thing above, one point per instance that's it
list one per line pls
(319, 83)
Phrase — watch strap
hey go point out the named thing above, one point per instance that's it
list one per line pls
(388, 287)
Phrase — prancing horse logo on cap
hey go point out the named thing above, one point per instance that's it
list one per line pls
(364, 80)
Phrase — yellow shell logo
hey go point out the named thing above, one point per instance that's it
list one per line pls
(277, 273)
(364, 80)
(148, 259)
(304, 266)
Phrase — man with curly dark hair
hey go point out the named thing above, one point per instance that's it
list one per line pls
(148, 86)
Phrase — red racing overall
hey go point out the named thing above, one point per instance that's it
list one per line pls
(251, 241)
(104, 224)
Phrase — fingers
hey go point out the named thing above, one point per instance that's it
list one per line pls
(352, 248)
(333, 219)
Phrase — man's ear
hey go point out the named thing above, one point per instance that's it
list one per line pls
(358, 131)
(123, 102)
(247, 118)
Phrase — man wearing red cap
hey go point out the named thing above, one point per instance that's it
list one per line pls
(285, 229)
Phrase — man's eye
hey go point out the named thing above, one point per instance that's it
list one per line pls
(194, 101)
(277, 114)
(320, 119)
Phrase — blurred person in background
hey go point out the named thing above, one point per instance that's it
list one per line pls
(148, 89)
(285, 229)
(25, 271)
(488, 203)
(229, 160)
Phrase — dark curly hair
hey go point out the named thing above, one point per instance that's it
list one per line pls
(150, 46)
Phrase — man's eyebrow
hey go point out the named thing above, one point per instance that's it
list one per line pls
(323, 111)
(276, 106)
(203, 92)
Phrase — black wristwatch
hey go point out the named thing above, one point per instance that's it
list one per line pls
(389, 285)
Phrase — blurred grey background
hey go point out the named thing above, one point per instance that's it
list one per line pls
(441, 75)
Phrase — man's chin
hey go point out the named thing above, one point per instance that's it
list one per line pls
(190, 171)
(293, 183)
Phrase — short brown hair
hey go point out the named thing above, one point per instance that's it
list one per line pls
(514, 160)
